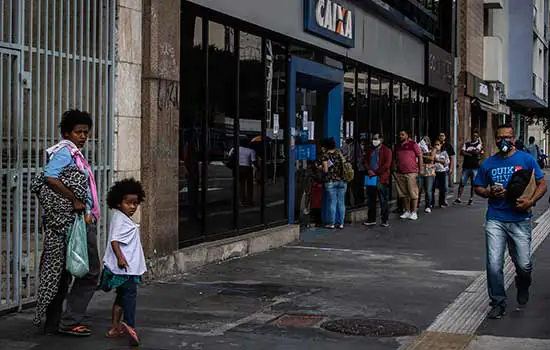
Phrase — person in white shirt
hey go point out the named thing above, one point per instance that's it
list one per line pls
(247, 163)
(124, 261)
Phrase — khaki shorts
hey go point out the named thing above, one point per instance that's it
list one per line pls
(407, 185)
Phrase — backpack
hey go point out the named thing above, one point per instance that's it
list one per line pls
(347, 169)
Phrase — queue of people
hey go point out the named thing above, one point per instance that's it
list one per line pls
(421, 173)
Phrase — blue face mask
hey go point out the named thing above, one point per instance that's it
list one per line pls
(504, 146)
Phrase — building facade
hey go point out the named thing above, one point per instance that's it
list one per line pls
(174, 86)
(287, 74)
(528, 53)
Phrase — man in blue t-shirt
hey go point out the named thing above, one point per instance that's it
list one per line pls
(507, 222)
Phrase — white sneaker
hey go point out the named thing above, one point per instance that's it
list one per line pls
(427, 210)
(406, 215)
(414, 216)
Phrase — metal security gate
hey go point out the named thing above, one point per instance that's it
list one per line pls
(54, 55)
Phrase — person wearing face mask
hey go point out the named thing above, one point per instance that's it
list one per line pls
(377, 162)
(426, 179)
(507, 221)
(442, 161)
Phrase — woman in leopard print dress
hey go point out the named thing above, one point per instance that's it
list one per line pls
(66, 187)
(58, 216)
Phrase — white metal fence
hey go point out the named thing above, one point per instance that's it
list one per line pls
(54, 55)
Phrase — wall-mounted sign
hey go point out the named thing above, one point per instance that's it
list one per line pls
(483, 89)
(440, 68)
(479, 88)
(330, 19)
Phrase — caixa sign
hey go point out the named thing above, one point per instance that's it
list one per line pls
(331, 20)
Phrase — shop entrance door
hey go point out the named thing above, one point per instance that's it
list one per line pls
(315, 101)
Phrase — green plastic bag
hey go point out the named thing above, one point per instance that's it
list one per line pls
(77, 248)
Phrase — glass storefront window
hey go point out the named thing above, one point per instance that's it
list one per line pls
(355, 195)
(385, 113)
(251, 113)
(219, 180)
(363, 121)
(397, 107)
(406, 119)
(191, 118)
(375, 103)
(275, 120)
(415, 121)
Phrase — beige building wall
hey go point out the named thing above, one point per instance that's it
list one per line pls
(127, 122)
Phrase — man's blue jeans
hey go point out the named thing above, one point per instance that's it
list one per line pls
(517, 235)
(382, 192)
(336, 206)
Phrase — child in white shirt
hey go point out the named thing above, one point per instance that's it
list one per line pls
(124, 261)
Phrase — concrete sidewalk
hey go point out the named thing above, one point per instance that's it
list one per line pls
(407, 273)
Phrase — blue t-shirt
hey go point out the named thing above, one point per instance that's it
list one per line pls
(498, 169)
(60, 160)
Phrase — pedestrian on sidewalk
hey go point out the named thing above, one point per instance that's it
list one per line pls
(471, 151)
(378, 161)
(442, 162)
(508, 219)
(334, 184)
(65, 176)
(124, 261)
(408, 159)
(447, 147)
(427, 173)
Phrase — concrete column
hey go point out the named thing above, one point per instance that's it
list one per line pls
(127, 123)
(160, 125)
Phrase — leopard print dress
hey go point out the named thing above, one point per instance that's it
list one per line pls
(58, 216)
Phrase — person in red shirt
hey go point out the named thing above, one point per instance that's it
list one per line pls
(408, 159)
(377, 161)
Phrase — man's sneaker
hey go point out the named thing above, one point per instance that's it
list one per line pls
(470, 202)
(458, 201)
(427, 210)
(497, 312)
(384, 224)
(369, 223)
(414, 216)
(406, 215)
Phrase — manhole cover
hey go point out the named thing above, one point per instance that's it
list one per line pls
(370, 327)
(297, 320)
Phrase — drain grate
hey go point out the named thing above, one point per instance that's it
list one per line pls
(297, 320)
(370, 327)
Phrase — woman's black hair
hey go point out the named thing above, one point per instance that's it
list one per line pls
(123, 188)
(72, 118)
(328, 143)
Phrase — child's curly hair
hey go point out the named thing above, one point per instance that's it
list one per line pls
(123, 188)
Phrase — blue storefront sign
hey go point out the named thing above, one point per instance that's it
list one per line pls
(331, 20)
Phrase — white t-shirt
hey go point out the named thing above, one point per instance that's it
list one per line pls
(125, 231)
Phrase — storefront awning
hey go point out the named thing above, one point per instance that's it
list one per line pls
(486, 106)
